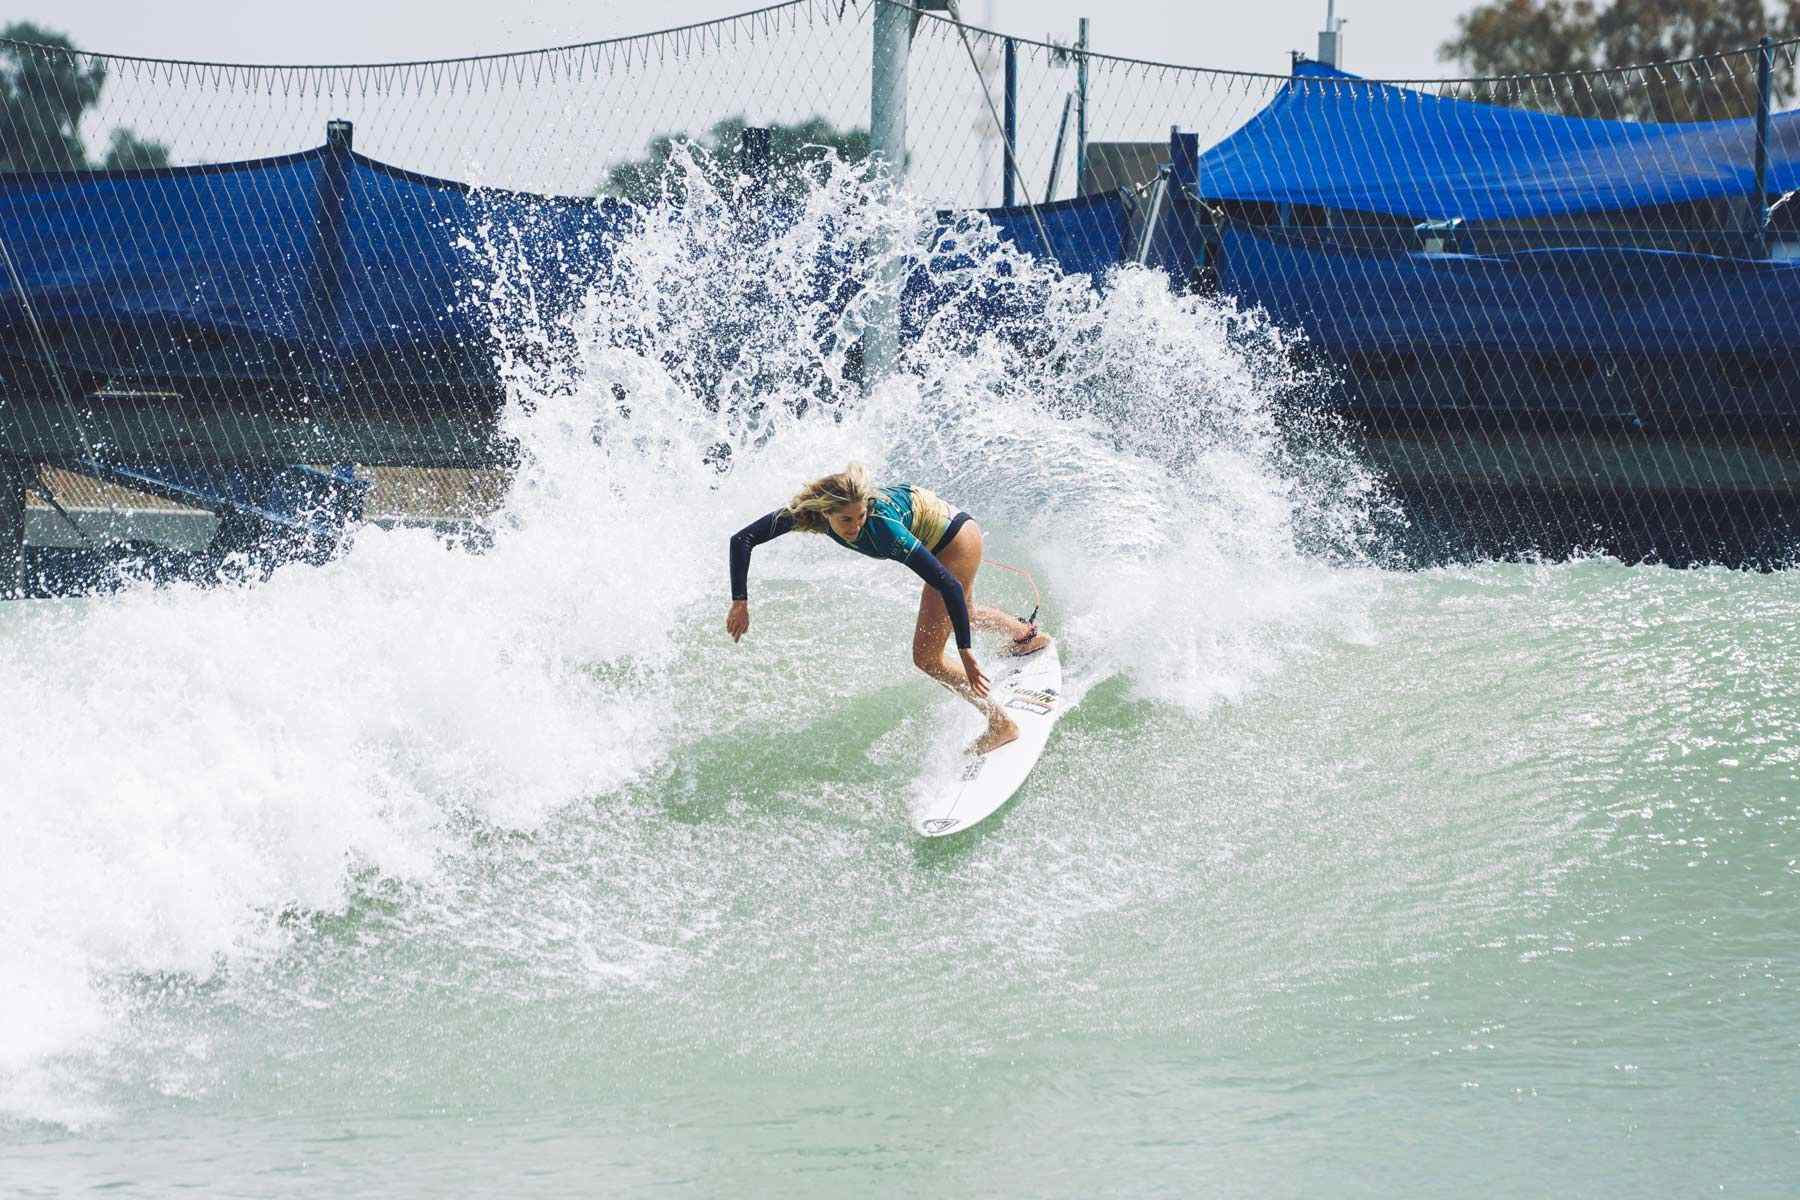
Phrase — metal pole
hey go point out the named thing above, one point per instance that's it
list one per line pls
(1011, 168)
(887, 93)
(1328, 37)
(1148, 234)
(1062, 131)
(1759, 212)
(1184, 156)
(887, 137)
(1166, 177)
(1081, 106)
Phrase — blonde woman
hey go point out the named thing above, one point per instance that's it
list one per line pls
(913, 526)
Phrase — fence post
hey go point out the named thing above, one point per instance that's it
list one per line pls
(887, 143)
(1759, 211)
(330, 271)
(1184, 156)
(1010, 168)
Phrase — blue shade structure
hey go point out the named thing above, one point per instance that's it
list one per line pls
(1087, 235)
(1333, 140)
(322, 278)
(1448, 254)
(1548, 332)
(311, 266)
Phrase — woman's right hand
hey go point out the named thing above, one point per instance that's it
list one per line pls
(737, 621)
(978, 682)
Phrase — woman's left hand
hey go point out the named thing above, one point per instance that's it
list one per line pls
(978, 683)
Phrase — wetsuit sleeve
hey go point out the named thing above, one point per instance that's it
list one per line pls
(765, 527)
(925, 565)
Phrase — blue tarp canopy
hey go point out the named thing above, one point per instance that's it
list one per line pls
(1602, 301)
(1087, 234)
(311, 266)
(261, 270)
(1338, 141)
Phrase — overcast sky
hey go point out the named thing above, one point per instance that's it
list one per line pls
(1383, 37)
(560, 133)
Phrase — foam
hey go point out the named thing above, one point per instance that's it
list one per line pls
(186, 764)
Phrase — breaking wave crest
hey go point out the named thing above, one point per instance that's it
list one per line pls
(190, 768)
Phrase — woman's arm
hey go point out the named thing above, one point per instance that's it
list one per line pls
(770, 525)
(926, 566)
(764, 528)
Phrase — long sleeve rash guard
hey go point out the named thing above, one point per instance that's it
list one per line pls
(882, 536)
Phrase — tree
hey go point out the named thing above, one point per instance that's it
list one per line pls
(794, 151)
(127, 151)
(1529, 37)
(43, 94)
(45, 89)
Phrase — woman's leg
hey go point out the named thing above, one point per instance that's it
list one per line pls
(997, 620)
(1021, 637)
(962, 558)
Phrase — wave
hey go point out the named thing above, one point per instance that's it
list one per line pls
(190, 764)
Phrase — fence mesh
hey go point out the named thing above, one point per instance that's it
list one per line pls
(1556, 310)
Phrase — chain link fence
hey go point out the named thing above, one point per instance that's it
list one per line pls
(1557, 311)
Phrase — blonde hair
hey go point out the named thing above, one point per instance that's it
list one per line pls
(850, 486)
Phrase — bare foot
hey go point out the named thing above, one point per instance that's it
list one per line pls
(1019, 649)
(996, 737)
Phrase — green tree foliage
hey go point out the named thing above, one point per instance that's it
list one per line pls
(794, 151)
(1529, 37)
(127, 151)
(45, 90)
(43, 94)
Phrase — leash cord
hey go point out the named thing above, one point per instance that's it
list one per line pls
(1036, 595)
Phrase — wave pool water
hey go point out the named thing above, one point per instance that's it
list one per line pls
(429, 872)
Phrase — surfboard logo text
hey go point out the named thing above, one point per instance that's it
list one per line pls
(1029, 700)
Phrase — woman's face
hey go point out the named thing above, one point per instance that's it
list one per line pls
(847, 520)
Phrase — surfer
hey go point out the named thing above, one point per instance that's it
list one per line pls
(913, 526)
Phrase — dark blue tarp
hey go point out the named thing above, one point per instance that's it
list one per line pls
(1593, 301)
(1338, 141)
(309, 266)
(1087, 234)
(261, 270)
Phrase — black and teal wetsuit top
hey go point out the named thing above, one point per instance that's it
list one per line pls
(886, 534)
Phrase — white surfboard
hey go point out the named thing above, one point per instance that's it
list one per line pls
(1030, 689)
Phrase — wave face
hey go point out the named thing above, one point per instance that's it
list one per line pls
(518, 837)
